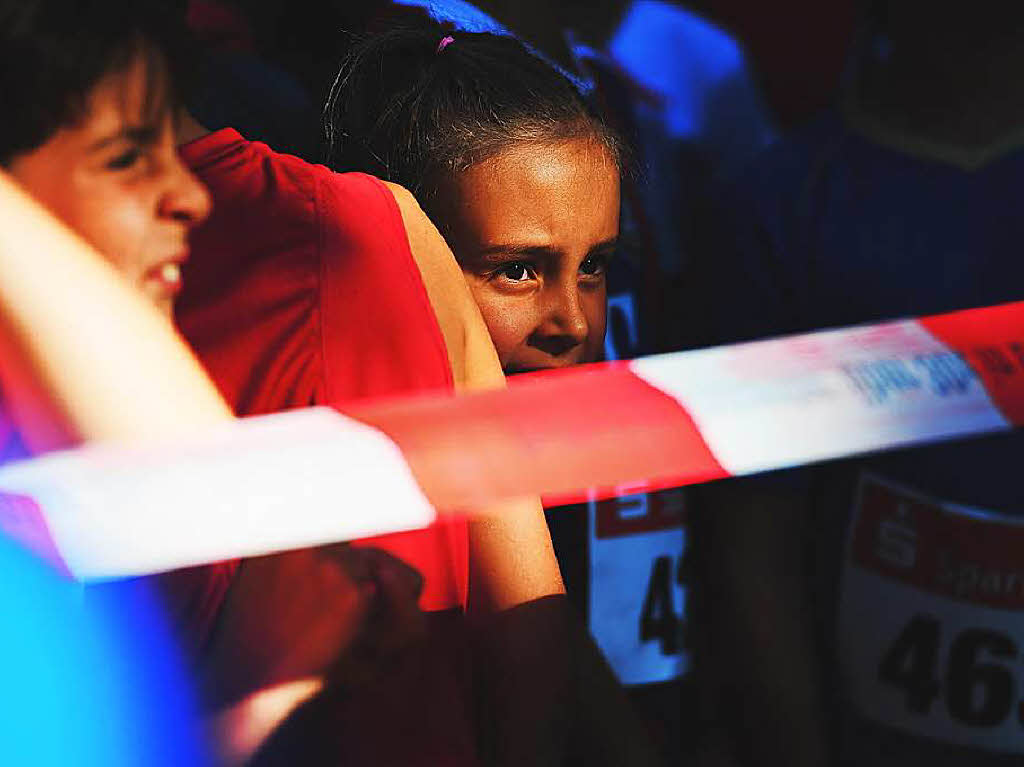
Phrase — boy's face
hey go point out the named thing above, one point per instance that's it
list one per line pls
(115, 178)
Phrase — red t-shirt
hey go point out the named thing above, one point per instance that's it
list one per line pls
(301, 290)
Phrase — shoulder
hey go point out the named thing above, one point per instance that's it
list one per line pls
(446, 287)
(255, 189)
(359, 205)
(470, 350)
(378, 227)
(378, 250)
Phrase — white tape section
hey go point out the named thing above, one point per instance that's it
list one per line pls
(796, 400)
(260, 485)
(304, 478)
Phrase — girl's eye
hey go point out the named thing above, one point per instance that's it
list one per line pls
(125, 160)
(593, 265)
(517, 271)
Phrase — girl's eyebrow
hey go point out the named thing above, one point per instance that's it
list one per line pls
(609, 244)
(142, 135)
(519, 250)
(505, 252)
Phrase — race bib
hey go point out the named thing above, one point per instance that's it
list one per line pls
(931, 621)
(638, 584)
(636, 542)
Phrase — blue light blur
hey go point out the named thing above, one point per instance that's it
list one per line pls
(700, 73)
(87, 681)
(466, 17)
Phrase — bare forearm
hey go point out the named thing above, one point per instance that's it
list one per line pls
(510, 547)
(509, 542)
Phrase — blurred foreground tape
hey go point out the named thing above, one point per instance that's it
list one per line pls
(315, 476)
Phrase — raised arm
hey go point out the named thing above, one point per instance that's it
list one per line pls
(84, 356)
(512, 559)
(551, 694)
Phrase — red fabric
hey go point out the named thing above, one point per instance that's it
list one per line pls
(192, 599)
(943, 539)
(301, 290)
(635, 433)
(992, 341)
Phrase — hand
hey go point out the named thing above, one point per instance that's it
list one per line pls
(392, 623)
(332, 612)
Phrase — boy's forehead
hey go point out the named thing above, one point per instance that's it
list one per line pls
(121, 103)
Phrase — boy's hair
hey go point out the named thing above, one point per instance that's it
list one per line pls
(408, 109)
(53, 53)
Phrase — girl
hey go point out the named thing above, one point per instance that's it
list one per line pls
(522, 179)
(508, 161)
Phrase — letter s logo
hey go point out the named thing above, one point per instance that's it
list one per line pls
(896, 543)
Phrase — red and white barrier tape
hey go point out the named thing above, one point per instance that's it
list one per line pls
(311, 477)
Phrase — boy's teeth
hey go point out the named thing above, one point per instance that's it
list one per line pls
(170, 272)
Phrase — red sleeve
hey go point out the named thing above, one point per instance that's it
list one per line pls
(302, 290)
(380, 337)
(192, 598)
(250, 308)
(379, 332)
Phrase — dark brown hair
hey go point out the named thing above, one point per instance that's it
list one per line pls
(53, 53)
(407, 110)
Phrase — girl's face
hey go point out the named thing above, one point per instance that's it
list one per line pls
(533, 229)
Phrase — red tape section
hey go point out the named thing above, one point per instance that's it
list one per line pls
(991, 340)
(633, 433)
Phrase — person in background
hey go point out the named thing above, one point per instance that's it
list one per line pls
(833, 639)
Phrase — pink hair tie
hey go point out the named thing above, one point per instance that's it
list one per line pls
(445, 42)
